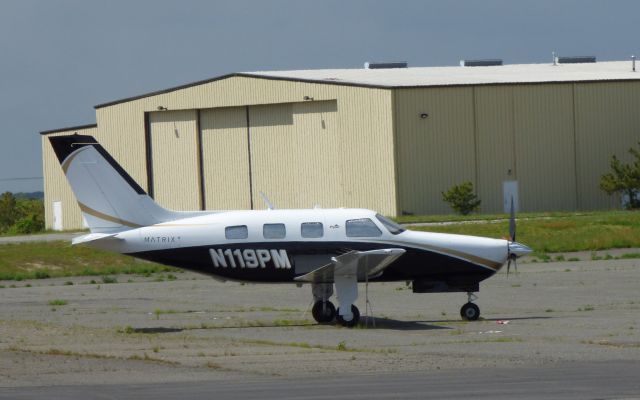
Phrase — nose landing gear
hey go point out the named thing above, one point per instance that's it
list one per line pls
(470, 311)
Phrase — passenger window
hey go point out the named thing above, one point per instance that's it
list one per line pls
(363, 227)
(236, 232)
(311, 230)
(274, 231)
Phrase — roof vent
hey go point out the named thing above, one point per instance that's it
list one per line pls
(385, 65)
(480, 63)
(576, 60)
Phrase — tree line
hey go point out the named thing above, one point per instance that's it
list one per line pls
(20, 215)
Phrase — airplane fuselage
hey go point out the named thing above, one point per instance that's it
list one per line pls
(282, 245)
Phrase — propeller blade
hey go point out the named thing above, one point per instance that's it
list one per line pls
(508, 266)
(512, 222)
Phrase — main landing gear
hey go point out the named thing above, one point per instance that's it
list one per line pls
(325, 312)
(470, 311)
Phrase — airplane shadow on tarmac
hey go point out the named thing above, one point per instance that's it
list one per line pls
(365, 323)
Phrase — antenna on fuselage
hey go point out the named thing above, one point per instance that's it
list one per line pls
(267, 201)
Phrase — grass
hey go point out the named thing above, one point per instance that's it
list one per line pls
(58, 302)
(41, 260)
(562, 232)
(408, 219)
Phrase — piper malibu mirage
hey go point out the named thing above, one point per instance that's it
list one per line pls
(323, 247)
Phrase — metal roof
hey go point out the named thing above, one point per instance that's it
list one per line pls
(434, 76)
(453, 76)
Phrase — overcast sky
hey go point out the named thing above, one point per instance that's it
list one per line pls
(59, 58)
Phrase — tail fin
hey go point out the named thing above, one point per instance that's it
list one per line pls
(110, 200)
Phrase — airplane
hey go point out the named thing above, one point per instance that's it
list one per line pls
(326, 248)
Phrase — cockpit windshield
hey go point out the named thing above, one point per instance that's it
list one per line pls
(391, 226)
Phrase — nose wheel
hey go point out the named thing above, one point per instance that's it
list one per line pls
(353, 321)
(470, 311)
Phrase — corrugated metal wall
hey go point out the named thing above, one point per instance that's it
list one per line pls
(174, 139)
(556, 140)
(297, 156)
(354, 123)
(607, 123)
(495, 144)
(339, 149)
(436, 152)
(544, 147)
(56, 187)
(225, 158)
(364, 119)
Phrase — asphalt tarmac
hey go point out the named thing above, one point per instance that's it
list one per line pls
(596, 380)
(556, 330)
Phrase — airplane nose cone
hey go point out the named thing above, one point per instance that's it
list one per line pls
(519, 249)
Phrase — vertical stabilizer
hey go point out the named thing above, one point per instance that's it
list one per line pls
(110, 200)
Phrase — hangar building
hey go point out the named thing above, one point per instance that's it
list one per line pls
(388, 139)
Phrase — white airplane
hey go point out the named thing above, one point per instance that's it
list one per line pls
(322, 247)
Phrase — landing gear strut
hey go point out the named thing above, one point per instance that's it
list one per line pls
(470, 311)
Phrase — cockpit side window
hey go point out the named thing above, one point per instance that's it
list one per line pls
(391, 226)
(236, 232)
(311, 230)
(363, 227)
(274, 231)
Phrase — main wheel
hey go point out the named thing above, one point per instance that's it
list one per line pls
(323, 311)
(470, 312)
(354, 320)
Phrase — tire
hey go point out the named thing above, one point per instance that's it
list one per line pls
(470, 312)
(323, 312)
(354, 321)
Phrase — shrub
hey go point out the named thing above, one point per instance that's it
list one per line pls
(624, 179)
(462, 198)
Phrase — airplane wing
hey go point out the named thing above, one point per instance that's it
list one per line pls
(92, 237)
(363, 264)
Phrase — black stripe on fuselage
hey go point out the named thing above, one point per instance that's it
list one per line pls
(307, 256)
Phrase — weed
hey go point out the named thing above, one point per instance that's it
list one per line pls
(342, 346)
(573, 259)
(127, 329)
(548, 310)
(212, 365)
(40, 274)
(109, 279)
(630, 255)
(68, 283)
(58, 302)
(560, 258)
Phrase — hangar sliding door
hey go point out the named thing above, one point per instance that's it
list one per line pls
(174, 161)
(494, 145)
(296, 154)
(225, 158)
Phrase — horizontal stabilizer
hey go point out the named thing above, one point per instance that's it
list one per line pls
(363, 264)
(92, 237)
